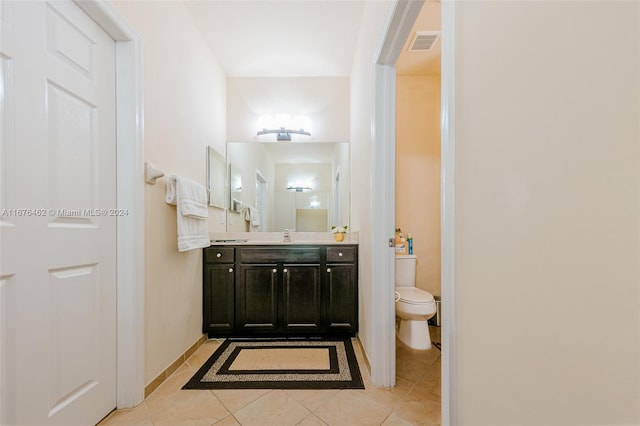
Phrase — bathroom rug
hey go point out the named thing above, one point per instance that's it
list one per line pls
(280, 364)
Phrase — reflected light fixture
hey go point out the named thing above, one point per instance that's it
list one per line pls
(299, 188)
(282, 133)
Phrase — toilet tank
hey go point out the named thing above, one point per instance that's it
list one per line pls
(406, 270)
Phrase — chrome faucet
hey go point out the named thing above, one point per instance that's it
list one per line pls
(287, 235)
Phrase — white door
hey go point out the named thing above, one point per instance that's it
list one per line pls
(57, 232)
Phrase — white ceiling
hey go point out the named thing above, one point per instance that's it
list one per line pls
(428, 62)
(280, 38)
(298, 38)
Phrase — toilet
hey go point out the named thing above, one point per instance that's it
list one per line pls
(414, 306)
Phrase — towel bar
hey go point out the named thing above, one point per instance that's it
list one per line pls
(151, 174)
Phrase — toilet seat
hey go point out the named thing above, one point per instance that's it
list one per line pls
(414, 296)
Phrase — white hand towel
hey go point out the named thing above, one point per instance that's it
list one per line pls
(190, 199)
(254, 216)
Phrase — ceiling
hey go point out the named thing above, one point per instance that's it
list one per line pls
(297, 38)
(280, 38)
(426, 62)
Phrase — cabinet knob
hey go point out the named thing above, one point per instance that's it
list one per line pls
(285, 271)
(328, 269)
(230, 269)
(339, 254)
(274, 271)
(219, 255)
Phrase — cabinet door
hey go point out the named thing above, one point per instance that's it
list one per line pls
(301, 298)
(342, 298)
(218, 299)
(257, 298)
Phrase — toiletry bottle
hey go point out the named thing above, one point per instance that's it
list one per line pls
(410, 243)
(401, 243)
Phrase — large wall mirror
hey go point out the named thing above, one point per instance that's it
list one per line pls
(216, 173)
(301, 186)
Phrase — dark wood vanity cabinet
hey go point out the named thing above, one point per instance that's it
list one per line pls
(218, 290)
(256, 302)
(301, 298)
(295, 290)
(341, 273)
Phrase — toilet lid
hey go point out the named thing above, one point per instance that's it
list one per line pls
(414, 295)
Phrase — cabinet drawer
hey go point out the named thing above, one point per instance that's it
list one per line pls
(341, 254)
(277, 255)
(218, 255)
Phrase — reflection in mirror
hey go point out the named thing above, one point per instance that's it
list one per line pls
(301, 186)
(216, 168)
(235, 189)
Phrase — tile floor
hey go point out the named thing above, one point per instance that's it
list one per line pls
(415, 400)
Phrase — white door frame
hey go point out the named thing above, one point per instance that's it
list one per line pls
(383, 212)
(130, 198)
(447, 215)
(260, 179)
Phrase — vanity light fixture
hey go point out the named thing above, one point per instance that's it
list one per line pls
(282, 133)
(299, 188)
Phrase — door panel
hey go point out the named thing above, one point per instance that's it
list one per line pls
(342, 306)
(301, 292)
(69, 44)
(257, 298)
(74, 349)
(72, 154)
(7, 153)
(219, 298)
(7, 348)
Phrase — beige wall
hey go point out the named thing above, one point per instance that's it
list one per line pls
(418, 173)
(318, 174)
(547, 188)
(184, 111)
(288, 203)
(323, 100)
(247, 159)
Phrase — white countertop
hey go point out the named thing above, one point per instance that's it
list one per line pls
(276, 238)
(276, 243)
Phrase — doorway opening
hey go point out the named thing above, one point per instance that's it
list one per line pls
(261, 201)
(383, 216)
(336, 198)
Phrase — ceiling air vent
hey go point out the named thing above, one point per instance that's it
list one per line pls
(423, 41)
